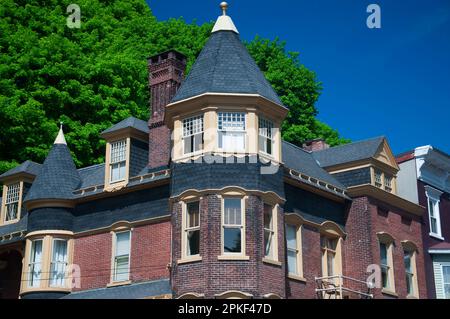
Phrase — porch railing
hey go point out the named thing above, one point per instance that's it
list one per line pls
(340, 287)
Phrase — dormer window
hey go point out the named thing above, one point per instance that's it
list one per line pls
(378, 178)
(11, 206)
(193, 134)
(231, 129)
(118, 161)
(388, 183)
(266, 136)
(383, 180)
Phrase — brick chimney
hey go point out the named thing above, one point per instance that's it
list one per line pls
(166, 72)
(318, 144)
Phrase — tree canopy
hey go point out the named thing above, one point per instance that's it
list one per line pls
(95, 76)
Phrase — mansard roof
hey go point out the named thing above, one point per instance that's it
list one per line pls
(225, 66)
(130, 122)
(27, 167)
(304, 162)
(58, 177)
(349, 152)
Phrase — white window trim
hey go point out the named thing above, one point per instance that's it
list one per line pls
(274, 251)
(51, 261)
(202, 132)
(226, 255)
(242, 131)
(3, 204)
(436, 201)
(114, 282)
(442, 276)
(111, 163)
(272, 139)
(299, 251)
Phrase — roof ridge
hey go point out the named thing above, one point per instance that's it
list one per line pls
(352, 143)
(297, 147)
(90, 167)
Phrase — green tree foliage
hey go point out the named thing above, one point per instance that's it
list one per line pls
(95, 76)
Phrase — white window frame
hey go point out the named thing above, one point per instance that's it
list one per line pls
(273, 232)
(433, 203)
(193, 132)
(377, 183)
(114, 259)
(443, 280)
(234, 226)
(187, 229)
(297, 250)
(32, 264)
(13, 193)
(387, 265)
(266, 134)
(242, 116)
(388, 185)
(66, 263)
(113, 161)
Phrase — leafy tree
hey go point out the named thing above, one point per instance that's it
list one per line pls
(93, 77)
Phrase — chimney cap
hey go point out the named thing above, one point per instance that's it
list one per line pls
(180, 56)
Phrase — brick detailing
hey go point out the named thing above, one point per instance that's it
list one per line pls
(212, 276)
(150, 255)
(166, 72)
(315, 145)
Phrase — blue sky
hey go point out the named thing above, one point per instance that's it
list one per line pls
(393, 81)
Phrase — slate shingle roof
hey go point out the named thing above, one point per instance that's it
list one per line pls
(304, 162)
(349, 152)
(135, 291)
(28, 167)
(58, 177)
(225, 66)
(129, 122)
(92, 176)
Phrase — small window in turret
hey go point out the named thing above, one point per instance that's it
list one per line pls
(265, 136)
(118, 161)
(193, 134)
(12, 202)
(231, 126)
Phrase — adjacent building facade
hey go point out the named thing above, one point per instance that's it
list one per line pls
(424, 179)
(205, 200)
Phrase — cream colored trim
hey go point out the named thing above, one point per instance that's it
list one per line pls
(296, 277)
(191, 295)
(118, 283)
(327, 227)
(389, 292)
(272, 296)
(412, 248)
(65, 233)
(116, 186)
(392, 199)
(189, 260)
(409, 245)
(233, 294)
(114, 233)
(234, 256)
(271, 262)
(274, 257)
(184, 256)
(388, 240)
(297, 221)
(337, 260)
(3, 203)
(47, 252)
(60, 203)
(268, 197)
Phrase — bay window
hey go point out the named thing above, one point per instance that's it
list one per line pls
(232, 131)
(121, 267)
(118, 161)
(266, 136)
(232, 226)
(59, 263)
(35, 264)
(12, 202)
(192, 229)
(193, 138)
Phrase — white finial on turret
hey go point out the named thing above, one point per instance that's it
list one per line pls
(60, 139)
(224, 22)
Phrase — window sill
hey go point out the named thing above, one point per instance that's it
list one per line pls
(188, 260)
(231, 257)
(118, 283)
(411, 297)
(9, 222)
(436, 236)
(271, 262)
(389, 292)
(296, 278)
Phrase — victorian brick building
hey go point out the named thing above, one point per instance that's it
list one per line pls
(205, 200)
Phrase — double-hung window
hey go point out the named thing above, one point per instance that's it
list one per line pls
(434, 216)
(384, 265)
(12, 202)
(293, 251)
(408, 258)
(329, 250)
(118, 161)
(193, 134)
(233, 227)
(388, 183)
(378, 178)
(192, 229)
(446, 281)
(59, 263)
(121, 269)
(270, 232)
(231, 131)
(266, 139)
(35, 265)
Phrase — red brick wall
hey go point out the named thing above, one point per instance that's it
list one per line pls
(150, 255)
(159, 145)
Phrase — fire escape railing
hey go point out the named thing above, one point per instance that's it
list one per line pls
(340, 287)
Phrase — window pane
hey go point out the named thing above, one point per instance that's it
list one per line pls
(35, 264)
(330, 263)
(122, 243)
(378, 178)
(118, 151)
(292, 261)
(268, 242)
(121, 268)
(409, 284)
(59, 263)
(193, 214)
(383, 254)
(407, 259)
(291, 237)
(232, 240)
(268, 220)
(12, 202)
(232, 214)
(446, 276)
(385, 276)
(198, 142)
(431, 207)
(232, 141)
(193, 242)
